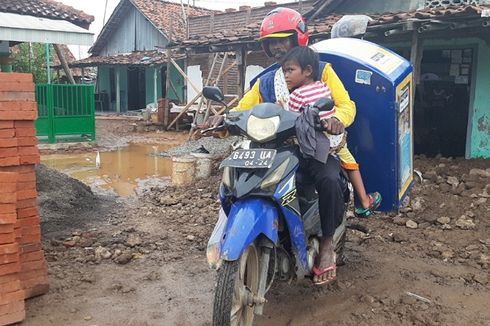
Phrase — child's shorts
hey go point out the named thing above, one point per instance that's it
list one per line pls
(347, 160)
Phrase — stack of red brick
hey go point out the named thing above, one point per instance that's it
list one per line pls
(23, 268)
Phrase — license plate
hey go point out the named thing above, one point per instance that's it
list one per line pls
(250, 158)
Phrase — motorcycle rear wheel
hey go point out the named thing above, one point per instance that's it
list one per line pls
(237, 282)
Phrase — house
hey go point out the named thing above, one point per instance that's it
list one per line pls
(43, 21)
(447, 41)
(65, 112)
(132, 72)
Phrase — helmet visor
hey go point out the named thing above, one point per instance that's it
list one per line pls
(276, 35)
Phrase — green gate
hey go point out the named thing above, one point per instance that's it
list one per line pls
(66, 112)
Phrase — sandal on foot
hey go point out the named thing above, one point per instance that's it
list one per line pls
(374, 202)
(321, 271)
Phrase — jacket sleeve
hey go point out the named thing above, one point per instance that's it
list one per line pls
(250, 99)
(345, 109)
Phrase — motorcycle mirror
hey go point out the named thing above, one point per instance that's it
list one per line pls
(213, 93)
(324, 104)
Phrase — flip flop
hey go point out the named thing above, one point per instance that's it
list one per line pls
(320, 271)
(374, 202)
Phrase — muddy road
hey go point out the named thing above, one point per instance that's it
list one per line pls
(140, 260)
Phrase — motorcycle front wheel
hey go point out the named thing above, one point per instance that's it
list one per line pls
(238, 282)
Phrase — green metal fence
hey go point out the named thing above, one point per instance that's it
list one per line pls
(66, 112)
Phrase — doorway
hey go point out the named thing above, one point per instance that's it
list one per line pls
(136, 88)
(442, 102)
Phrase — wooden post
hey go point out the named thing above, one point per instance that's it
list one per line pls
(416, 54)
(155, 88)
(241, 57)
(167, 89)
(118, 92)
(64, 64)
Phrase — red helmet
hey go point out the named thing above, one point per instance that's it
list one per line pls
(284, 22)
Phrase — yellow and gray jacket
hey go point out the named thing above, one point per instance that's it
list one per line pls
(263, 91)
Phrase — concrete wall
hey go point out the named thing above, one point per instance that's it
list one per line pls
(480, 120)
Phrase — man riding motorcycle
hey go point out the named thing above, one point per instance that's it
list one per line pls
(281, 30)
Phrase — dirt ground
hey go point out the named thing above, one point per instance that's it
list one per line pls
(141, 260)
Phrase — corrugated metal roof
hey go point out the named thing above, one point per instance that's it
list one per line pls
(23, 28)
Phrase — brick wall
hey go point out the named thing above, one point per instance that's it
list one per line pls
(202, 25)
(23, 268)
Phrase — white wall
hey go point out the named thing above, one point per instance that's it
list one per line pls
(195, 75)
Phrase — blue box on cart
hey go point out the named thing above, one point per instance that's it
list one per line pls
(380, 82)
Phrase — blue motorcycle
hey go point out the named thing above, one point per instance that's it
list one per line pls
(269, 224)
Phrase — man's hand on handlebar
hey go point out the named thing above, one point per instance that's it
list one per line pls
(212, 127)
(333, 126)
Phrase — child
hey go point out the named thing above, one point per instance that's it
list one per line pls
(300, 66)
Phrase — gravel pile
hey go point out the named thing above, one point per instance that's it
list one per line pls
(215, 146)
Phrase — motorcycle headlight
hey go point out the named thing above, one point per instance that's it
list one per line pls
(262, 129)
(276, 176)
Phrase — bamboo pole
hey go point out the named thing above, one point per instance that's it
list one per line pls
(194, 121)
(64, 64)
(206, 116)
(184, 75)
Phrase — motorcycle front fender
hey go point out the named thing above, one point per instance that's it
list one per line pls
(248, 219)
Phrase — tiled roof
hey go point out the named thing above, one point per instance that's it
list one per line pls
(322, 26)
(141, 58)
(47, 9)
(168, 16)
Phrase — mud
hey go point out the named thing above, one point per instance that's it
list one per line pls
(142, 261)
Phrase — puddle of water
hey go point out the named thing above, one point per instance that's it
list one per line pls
(124, 171)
